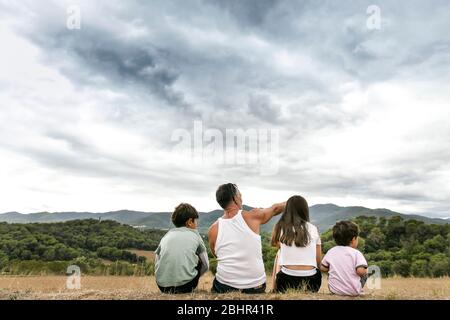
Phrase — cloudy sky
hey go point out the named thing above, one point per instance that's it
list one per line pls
(88, 116)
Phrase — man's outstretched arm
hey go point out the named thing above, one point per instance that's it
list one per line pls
(264, 215)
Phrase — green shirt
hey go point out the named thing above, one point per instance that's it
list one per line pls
(178, 257)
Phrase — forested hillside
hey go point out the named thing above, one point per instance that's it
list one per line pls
(398, 246)
(91, 244)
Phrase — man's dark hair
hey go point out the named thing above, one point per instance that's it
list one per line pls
(182, 214)
(344, 232)
(226, 193)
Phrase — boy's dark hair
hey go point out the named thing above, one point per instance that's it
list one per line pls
(226, 193)
(344, 232)
(183, 213)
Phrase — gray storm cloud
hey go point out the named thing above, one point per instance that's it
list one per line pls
(361, 113)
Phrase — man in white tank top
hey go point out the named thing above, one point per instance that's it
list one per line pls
(235, 241)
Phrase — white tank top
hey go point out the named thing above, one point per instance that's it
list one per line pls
(239, 254)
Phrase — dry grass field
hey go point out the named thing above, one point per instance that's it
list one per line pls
(54, 287)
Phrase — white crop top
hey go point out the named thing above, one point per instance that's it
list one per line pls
(306, 256)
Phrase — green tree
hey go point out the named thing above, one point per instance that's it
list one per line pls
(439, 265)
(419, 268)
(436, 244)
(3, 260)
(375, 240)
(395, 229)
(49, 254)
(401, 267)
(385, 266)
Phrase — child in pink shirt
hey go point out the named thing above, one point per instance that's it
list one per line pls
(346, 266)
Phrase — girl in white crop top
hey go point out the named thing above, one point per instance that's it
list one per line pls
(299, 255)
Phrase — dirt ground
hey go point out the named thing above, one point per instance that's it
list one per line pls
(137, 288)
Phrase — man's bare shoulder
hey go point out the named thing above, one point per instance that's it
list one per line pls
(213, 227)
(252, 214)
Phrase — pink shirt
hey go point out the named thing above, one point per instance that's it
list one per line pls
(342, 262)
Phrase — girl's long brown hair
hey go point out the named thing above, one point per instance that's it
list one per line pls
(291, 228)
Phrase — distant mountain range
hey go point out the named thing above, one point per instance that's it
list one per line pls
(322, 215)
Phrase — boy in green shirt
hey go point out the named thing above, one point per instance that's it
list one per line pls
(181, 257)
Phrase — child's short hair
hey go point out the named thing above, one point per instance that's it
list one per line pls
(183, 213)
(344, 232)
